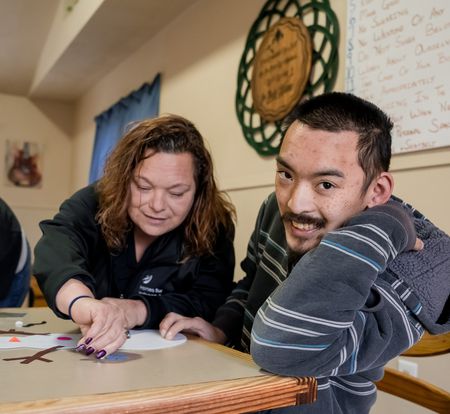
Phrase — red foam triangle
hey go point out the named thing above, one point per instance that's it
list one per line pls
(14, 339)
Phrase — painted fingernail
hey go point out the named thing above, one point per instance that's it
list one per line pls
(100, 354)
(90, 350)
(88, 341)
(80, 348)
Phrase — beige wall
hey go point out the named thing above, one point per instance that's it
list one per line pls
(42, 123)
(198, 55)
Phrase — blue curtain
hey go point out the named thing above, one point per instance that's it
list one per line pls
(111, 124)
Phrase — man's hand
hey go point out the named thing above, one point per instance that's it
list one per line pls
(418, 245)
(174, 323)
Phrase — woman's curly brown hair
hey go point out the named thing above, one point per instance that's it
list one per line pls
(211, 212)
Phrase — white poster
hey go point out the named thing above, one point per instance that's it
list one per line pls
(398, 57)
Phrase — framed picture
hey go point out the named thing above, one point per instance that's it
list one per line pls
(23, 163)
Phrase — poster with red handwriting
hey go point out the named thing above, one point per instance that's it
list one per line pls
(398, 56)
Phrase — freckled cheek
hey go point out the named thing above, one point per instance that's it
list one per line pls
(335, 211)
(329, 205)
(282, 198)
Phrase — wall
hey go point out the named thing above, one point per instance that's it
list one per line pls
(198, 55)
(195, 65)
(42, 123)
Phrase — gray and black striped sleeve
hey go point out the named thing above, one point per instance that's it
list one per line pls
(333, 316)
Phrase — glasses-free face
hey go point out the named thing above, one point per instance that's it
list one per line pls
(162, 194)
(318, 184)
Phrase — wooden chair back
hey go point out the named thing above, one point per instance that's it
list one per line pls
(414, 389)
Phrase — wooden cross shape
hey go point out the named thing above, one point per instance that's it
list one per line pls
(13, 331)
(38, 356)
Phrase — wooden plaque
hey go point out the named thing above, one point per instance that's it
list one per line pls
(281, 69)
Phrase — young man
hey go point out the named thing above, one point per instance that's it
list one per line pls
(355, 297)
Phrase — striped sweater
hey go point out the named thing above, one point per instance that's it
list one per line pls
(339, 316)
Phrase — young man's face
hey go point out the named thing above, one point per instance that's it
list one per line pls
(318, 184)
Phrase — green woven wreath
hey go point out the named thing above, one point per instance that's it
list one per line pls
(323, 27)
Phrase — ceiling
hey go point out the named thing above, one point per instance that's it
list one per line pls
(116, 29)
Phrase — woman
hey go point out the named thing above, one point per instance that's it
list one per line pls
(153, 236)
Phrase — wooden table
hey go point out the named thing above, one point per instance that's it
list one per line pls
(195, 377)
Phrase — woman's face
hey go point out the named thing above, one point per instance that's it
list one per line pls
(162, 193)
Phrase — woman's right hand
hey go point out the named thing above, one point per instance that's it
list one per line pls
(104, 324)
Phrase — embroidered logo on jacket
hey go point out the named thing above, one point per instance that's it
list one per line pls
(147, 279)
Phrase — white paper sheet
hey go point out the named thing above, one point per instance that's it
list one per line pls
(140, 340)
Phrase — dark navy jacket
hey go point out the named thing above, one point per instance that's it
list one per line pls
(10, 247)
(72, 246)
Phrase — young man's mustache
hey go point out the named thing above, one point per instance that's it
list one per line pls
(303, 218)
